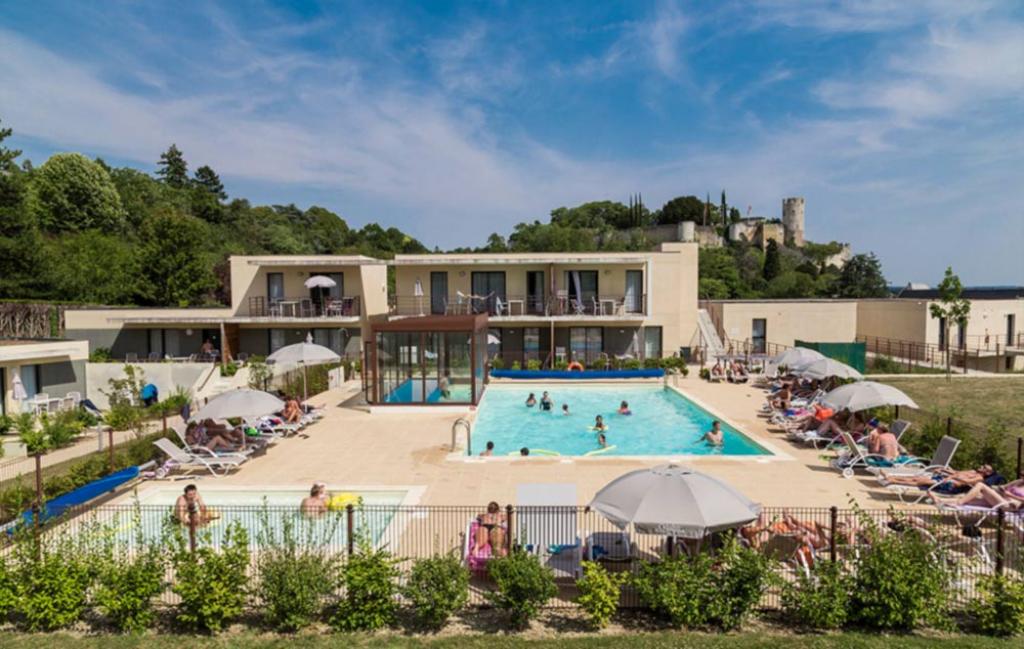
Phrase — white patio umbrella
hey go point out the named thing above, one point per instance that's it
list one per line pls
(239, 403)
(674, 500)
(18, 388)
(865, 395)
(320, 281)
(417, 291)
(797, 357)
(827, 367)
(304, 354)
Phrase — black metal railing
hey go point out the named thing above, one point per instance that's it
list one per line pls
(305, 307)
(609, 306)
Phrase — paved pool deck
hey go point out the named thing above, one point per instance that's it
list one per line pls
(412, 447)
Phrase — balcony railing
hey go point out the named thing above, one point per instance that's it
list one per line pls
(609, 306)
(305, 307)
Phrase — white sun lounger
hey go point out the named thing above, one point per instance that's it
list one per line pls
(207, 461)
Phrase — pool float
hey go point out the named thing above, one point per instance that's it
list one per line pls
(574, 367)
(599, 451)
(538, 451)
(595, 429)
(338, 502)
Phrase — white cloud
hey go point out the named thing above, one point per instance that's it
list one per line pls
(857, 15)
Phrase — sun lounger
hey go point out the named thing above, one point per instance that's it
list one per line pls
(475, 558)
(207, 461)
(546, 521)
(179, 428)
(857, 458)
(941, 459)
(610, 546)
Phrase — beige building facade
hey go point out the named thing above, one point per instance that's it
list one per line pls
(39, 369)
(763, 325)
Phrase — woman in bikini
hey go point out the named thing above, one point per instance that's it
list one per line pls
(1009, 496)
(491, 529)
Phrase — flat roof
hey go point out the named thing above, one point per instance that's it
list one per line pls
(503, 259)
(971, 293)
(823, 300)
(309, 260)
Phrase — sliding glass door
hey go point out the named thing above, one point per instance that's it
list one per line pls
(489, 286)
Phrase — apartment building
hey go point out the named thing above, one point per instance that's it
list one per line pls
(41, 374)
(271, 306)
(553, 306)
(762, 325)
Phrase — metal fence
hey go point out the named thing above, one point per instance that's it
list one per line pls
(562, 537)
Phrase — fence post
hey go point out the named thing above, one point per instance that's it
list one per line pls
(1020, 453)
(110, 447)
(897, 416)
(509, 511)
(949, 426)
(193, 510)
(350, 528)
(833, 513)
(1000, 540)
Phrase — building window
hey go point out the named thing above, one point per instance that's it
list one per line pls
(759, 335)
(30, 381)
(634, 298)
(942, 334)
(652, 342)
(582, 289)
(438, 292)
(961, 335)
(489, 285)
(586, 343)
(276, 339)
(1011, 328)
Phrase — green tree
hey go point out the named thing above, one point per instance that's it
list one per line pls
(598, 215)
(92, 267)
(495, 243)
(681, 208)
(861, 278)
(719, 264)
(173, 271)
(951, 307)
(75, 193)
(772, 261)
(208, 179)
(7, 156)
(172, 168)
(326, 232)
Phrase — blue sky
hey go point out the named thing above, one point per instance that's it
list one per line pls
(900, 122)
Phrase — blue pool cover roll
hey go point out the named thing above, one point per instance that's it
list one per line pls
(570, 374)
(56, 507)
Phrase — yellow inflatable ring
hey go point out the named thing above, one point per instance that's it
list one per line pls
(598, 451)
(575, 367)
(337, 502)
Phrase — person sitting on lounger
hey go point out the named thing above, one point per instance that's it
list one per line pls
(491, 530)
(782, 399)
(715, 436)
(944, 480)
(881, 441)
(198, 435)
(717, 372)
(488, 451)
(736, 373)
(191, 503)
(531, 401)
(292, 412)
(315, 504)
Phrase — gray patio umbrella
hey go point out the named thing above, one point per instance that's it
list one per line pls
(797, 357)
(827, 367)
(674, 500)
(304, 354)
(239, 403)
(865, 395)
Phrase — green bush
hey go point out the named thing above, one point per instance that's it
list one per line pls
(706, 589)
(100, 355)
(259, 373)
(522, 586)
(631, 364)
(901, 582)
(999, 607)
(127, 584)
(296, 577)
(368, 579)
(533, 364)
(820, 600)
(211, 583)
(229, 369)
(652, 363)
(6, 425)
(437, 588)
(561, 365)
(52, 579)
(497, 363)
(60, 429)
(8, 587)
(705, 374)
(516, 366)
(124, 416)
(599, 592)
(600, 363)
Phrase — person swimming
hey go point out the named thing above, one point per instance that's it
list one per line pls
(715, 436)
(489, 451)
(601, 441)
(523, 452)
(599, 424)
(545, 402)
(565, 409)
(624, 409)
(531, 401)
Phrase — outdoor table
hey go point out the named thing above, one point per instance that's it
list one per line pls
(293, 304)
(611, 308)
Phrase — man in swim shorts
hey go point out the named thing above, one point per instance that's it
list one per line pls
(715, 436)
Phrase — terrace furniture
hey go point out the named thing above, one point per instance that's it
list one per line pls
(180, 428)
(131, 357)
(562, 296)
(547, 526)
(291, 306)
(207, 461)
(522, 307)
(275, 309)
(154, 357)
(611, 304)
(577, 307)
(306, 308)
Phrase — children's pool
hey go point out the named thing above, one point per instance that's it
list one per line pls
(663, 423)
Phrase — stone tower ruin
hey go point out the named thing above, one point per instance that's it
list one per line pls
(793, 221)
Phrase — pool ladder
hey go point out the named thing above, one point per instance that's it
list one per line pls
(462, 421)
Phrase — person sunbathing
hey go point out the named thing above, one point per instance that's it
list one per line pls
(945, 480)
(490, 529)
(196, 435)
(736, 373)
(1009, 496)
(782, 399)
(882, 442)
(718, 371)
(292, 413)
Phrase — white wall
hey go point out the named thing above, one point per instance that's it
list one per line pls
(165, 376)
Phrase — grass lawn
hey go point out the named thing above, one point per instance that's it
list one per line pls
(638, 641)
(978, 402)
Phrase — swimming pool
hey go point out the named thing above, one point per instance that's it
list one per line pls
(264, 513)
(663, 422)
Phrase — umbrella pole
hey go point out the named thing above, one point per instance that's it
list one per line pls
(305, 387)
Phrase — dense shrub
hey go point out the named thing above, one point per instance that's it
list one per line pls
(599, 592)
(522, 586)
(819, 600)
(126, 584)
(600, 363)
(52, 577)
(210, 582)
(516, 366)
(652, 363)
(901, 581)
(259, 373)
(437, 588)
(100, 355)
(8, 587)
(999, 608)
(533, 364)
(497, 363)
(631, 364)
(229, 369)
(706, 589)
(368, 578)
(296, 575)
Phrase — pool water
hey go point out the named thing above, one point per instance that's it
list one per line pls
(263, 523)
(663, 422)
(411, 391)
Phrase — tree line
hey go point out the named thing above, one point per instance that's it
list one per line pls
(79, 230)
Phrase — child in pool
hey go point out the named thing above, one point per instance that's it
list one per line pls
(601, 441)
(599, 424)
(624, 409)
(531, 401)
(565, 409)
